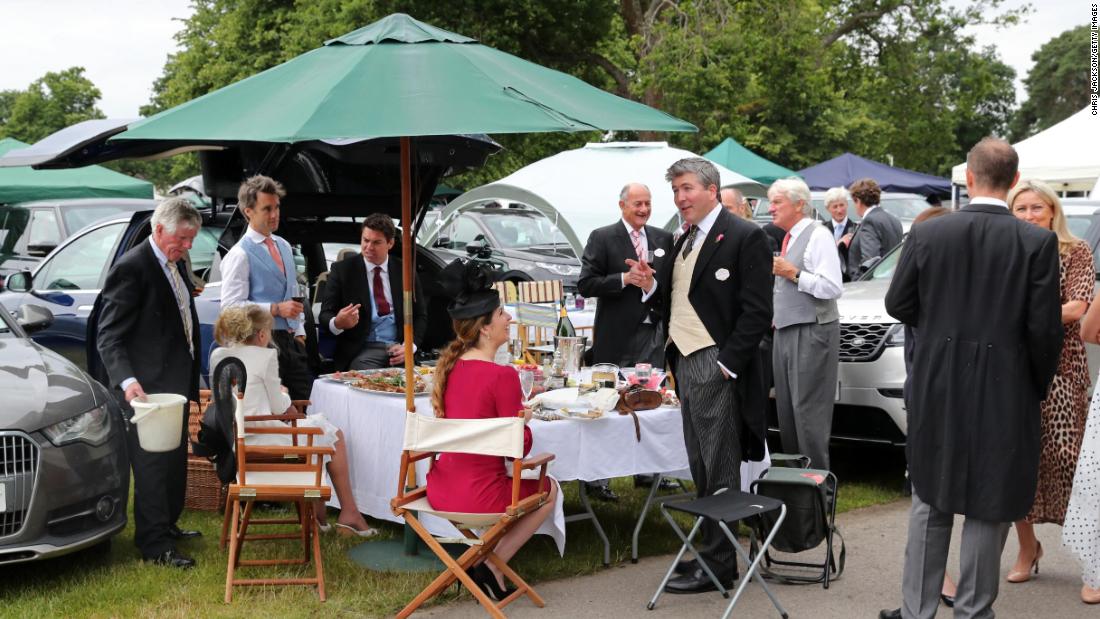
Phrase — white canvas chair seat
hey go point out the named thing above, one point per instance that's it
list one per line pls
(462, 520)
(425, 437)
(278, 478)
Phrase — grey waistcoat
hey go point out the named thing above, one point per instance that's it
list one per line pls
(793, 307)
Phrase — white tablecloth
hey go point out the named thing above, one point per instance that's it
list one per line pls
(374, 425)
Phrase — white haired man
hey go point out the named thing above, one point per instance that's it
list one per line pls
(148, 338)
(807, 326)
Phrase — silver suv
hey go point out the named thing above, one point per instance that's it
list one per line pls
(869, 405)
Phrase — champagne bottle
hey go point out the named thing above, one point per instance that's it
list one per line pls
(565, 326)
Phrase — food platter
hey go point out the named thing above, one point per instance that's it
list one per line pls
(387, 381)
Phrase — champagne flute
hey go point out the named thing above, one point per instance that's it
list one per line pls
(526, 383)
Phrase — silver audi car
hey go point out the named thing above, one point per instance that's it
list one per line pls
(64, 474)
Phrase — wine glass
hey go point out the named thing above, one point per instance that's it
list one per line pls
(526, 383)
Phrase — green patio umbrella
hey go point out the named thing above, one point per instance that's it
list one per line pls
(736, 157)
(398, 77)
(25, 184)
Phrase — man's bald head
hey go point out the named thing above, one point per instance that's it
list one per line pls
(636, 204)
(992, 165)
(734, 201)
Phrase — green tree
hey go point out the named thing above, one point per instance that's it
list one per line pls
(7, 100)
(1057, 84)
(52, 102)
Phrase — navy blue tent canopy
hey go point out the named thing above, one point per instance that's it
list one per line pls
(848, 168)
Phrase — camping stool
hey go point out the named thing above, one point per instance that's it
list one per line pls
(810, 497)
(724, 507)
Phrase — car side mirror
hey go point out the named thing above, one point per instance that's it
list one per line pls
(442, 241)
(19, 282)
(34, 318)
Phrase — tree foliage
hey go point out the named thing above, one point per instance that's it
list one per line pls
(52, 102)
(1057, 84)
(798, 81)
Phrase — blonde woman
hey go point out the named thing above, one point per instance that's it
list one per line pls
(1063, 412)
(244, 332)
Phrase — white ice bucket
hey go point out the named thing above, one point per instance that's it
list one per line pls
(159, 421)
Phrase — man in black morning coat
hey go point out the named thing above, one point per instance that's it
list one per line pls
(982, 289)
(148, 339)
(715, 295)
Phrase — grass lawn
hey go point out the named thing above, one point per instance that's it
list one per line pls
(109, 581)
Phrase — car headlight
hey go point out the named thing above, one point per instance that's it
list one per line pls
(91, 427)
(560, 269)
(896, 335)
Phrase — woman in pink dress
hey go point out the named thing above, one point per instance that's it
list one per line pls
(469, 385)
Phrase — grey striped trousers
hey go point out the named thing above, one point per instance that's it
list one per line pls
(711, 419)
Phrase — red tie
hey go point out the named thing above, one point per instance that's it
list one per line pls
(274, 251)
(380, 302)
(786, 239)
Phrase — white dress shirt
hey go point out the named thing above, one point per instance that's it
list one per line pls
(820, 268)
(385, 274)
(993, 201)
(641, 238)
(235, 272)
(839, 229)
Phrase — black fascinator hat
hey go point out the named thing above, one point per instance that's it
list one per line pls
(471, 285)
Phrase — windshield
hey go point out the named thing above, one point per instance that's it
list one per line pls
(904, 208)
(515, 230)
(76, 217)
(885, 268)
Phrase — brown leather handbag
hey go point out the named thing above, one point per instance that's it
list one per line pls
(637, 398)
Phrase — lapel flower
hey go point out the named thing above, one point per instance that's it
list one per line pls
(719, 239)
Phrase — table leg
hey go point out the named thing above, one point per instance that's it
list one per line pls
(588, 514)
(645, 511)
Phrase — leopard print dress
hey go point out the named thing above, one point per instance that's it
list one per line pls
(1064, 411)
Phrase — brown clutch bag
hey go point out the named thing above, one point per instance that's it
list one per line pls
(637, 398)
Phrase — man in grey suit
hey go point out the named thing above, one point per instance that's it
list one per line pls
(806, 348)
(982, 286)
(877, 233)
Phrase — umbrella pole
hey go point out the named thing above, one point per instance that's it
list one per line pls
(407, 311)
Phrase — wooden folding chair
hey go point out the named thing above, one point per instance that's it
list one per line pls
(281, 474)
(425, 437)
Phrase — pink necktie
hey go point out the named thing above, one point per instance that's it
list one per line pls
(274, 251)
(636, 237)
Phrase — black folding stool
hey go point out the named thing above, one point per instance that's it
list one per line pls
(722, 507)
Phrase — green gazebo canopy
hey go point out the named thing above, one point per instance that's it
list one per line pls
(26, 184)
(743, 161)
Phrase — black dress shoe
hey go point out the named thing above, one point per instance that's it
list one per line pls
(669, 484)
(890, 614)
(172, 558)
(643, 481)
(175, 532)
(603, 493)
(696, 582)
(686, 567)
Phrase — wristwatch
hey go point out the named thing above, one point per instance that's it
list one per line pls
(796, 274)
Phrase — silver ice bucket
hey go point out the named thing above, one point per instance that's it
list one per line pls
(572, 352)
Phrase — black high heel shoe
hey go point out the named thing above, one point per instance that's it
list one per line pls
(948, 600)
(483, 577)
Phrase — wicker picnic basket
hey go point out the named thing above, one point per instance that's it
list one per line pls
(205, 491)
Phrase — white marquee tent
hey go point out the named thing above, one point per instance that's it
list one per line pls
(1065, 155)
(579, 189)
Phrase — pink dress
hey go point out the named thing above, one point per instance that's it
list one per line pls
(471, 483)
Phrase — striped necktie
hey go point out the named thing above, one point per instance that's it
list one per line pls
(636, 238)
(183, 303)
